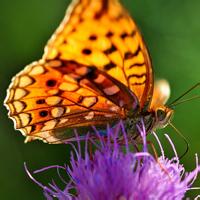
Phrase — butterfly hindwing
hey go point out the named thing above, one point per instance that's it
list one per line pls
(48, 96)
(161, 94)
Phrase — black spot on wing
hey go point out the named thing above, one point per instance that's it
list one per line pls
(109, 34)
(109, 66)
(129, 55)
(136, 65)
(137, 83)
(43, 113)
(137, 75)
(110, 50)
(86, 51)
(40, 101)
(124, 35)
(51, 83)
(93, 37)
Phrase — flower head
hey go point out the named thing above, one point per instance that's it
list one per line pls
(116, 173)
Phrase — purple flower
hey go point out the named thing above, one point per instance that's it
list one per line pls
(117, 173)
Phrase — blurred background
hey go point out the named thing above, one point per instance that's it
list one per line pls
(172, 32)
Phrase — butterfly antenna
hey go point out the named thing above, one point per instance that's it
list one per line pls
(184, 139)
(175, 102)
(185, 100)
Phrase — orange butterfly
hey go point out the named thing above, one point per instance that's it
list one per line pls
(95, 69)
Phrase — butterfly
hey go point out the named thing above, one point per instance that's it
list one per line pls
(95, 69)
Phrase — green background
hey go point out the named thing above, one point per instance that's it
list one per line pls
(172, 32)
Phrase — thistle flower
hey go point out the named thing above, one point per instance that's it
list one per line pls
(117, 174)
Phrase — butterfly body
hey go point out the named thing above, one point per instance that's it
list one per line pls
(95, 70)
(154, 119)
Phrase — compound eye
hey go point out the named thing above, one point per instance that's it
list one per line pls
(161, 114)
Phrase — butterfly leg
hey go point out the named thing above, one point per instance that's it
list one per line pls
(135, 145)
(90, 150)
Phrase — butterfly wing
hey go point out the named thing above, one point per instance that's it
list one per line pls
(100, 33)
(49, 96)
(89, 68)
(161, 94)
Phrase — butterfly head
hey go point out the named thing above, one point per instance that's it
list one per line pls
(163, 116)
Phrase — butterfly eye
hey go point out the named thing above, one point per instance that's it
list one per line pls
(161, 114)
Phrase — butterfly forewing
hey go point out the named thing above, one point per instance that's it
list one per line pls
(101, 33)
